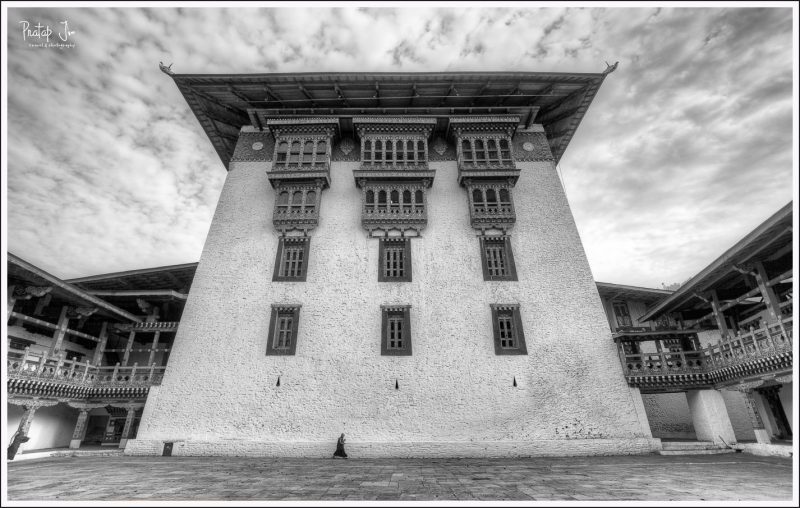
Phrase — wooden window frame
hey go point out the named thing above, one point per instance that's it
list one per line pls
(384, 242)
(502, 310)
(277, 312)
(511, 269)
(279, 259)
(387, 311)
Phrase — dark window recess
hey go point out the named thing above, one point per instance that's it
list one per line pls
(622, 313)
(395, 259)
(291, 262)
(21, 344)
(283, 323)
(497, 258)
(508, 336)
(396, 331)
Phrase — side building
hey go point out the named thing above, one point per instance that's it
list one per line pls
(83, 354)
(713, 360)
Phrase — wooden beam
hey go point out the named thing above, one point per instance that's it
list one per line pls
(240, 96)
(719, 315)
(480, 93)
(769, 242)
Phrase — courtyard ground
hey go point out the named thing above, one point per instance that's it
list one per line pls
(652, 477)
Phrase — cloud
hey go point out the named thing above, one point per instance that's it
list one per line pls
(686, 147)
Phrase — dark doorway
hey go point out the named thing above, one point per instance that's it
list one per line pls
(773, 400)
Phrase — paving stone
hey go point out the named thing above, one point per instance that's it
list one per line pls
(651, 477)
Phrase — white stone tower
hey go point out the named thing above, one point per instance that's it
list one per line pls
(393, 258)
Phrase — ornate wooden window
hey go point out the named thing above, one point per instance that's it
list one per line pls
(283, 323)
(497, 258)
(291, 262)
(395, 260)
(483, 147)
(491, 205)
(396, 330)
(394, 205)
(508, 336)
(394, 173)
(296, 206)
(306, 152)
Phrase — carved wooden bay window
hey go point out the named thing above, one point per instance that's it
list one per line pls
(394, 205)
(491, 204)
(300, 170)
(394, 174)
(483, 146)
(297, 206)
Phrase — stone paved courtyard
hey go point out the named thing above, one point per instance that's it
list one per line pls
(652, 477)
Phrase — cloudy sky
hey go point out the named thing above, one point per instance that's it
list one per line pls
(685, 149)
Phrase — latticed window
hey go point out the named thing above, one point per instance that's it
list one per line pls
(396, 331)
(283, 323)
(505, 322)
(380, 200)
(497, 259)
(508, 336)
(395, 255)
(283, 334)
(291, 263)
(306, 153)
(476, 151)
(394, 151)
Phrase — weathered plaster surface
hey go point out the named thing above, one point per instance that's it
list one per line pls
(219, 392)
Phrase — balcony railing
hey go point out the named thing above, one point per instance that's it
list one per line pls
(41, 374)
(757, 351)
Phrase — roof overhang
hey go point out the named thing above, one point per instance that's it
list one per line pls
(769, 239)
(224, 103)
(621, 291)
(21, 270)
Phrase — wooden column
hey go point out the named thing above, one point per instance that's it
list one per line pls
(61, 331)
(718, 315)
(11, 300)
(80, 429)
(762, 436)
(770, 299)
(126, 430)
(128, 348)
(101, 346)
(21, 436)
(153, 348)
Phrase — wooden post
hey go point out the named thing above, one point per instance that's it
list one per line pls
(153, 348)
(718, 314)
(80, 429)
(61, 331)
(126, 431)
(101, 346)
(128, 348)
(770, 299)
(11, 300)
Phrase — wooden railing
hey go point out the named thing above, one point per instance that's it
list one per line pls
(56, 368)
(714, 363)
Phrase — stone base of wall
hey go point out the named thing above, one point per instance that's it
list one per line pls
(452, 449)
(766, 450)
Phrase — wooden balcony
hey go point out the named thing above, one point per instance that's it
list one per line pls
(36, 375)
(299, 218)
(757, 352)
(301, 172)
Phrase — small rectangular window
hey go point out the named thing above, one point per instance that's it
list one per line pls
(507, 324)
(396, 330)
(291, 263)
(283, 323)
(497, 259)
(395, 259)
(622, 313)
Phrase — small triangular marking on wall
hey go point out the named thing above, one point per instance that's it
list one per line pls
(515, 380)
(396, 385)
(279, 381)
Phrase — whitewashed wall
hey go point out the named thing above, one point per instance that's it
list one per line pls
(219, 394)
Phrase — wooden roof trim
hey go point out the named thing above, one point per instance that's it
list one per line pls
(70, 288)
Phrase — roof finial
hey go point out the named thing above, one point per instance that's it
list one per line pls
(166, 69)
(610, 68)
